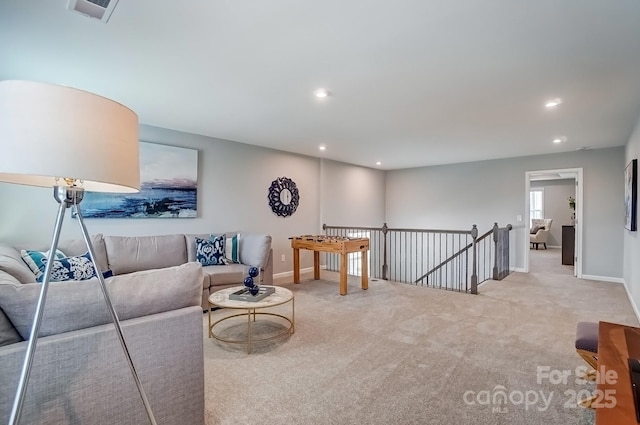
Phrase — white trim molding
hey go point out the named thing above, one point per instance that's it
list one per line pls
(633, 304)
(603, 278)
(290, 273)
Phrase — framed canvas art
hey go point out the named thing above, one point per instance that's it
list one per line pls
(631, 195)
(168, 187)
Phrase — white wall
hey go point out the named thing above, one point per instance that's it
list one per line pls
(632, 239)
(352, 195)
(556, 205)
(459, 195)
(233, 182)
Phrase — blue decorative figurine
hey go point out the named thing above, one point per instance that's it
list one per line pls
(253, 272)
(248, 281)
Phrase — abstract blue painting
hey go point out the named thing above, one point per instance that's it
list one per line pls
(168, 187)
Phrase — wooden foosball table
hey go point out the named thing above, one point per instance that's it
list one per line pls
(335, 245)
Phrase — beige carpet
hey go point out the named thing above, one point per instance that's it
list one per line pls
(400, 354)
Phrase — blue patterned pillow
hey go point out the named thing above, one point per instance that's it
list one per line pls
(72, 268)
(210, 252)
(64, 268)
(37, 261)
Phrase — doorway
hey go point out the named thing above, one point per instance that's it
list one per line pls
(568, 182)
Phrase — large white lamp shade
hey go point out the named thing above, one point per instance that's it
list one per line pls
(56, 136)
(48, 132)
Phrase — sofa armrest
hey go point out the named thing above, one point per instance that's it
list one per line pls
(266, 273)
(91, 381)
(541, 236)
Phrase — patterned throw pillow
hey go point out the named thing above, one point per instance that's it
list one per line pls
(210, 252)
(535, 229)
(72, 268)
(232, 249)
(37, 261)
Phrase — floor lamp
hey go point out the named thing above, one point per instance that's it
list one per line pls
(70, 140)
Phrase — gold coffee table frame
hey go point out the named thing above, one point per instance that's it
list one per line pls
(221, 299)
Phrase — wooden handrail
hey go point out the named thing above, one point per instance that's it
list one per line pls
(399, 229)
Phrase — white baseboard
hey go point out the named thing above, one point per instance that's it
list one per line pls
(290, 273)
(603, 278)
(633, 304)
(516, 269)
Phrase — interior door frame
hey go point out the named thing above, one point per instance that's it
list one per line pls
(577, 265)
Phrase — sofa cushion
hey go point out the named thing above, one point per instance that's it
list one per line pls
(254, 249)
(131, 254)
(232, 273)
(210, 252)
(8, 333)
(11, 262)
(75, 247)
(37, 261)
(80, 304)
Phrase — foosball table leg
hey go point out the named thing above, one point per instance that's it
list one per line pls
(316, 265)
(296, 265)
(343, 274)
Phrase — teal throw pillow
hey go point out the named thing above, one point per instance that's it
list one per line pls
(37, 261)
(232, 249)
(211, 252)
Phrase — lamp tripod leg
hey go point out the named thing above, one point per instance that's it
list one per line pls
(18, 402)
(114, 318)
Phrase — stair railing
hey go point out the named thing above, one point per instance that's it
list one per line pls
(456, 260)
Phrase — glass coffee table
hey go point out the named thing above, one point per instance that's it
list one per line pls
(251, 310)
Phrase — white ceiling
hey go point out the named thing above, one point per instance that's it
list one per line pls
(413, 82)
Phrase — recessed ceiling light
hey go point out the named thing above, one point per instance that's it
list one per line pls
(553, 103)
(378, 163)
(559, 140)
(322, 147)
(321, 93)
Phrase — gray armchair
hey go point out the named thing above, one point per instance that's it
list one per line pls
(539, 233)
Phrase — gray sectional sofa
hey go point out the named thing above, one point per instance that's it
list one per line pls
(80, 375)
(127, 254)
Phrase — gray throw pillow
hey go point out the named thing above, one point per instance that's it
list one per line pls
(8, 334)
(76, 305)
(12, 263)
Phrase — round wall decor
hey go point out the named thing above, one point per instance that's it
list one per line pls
(283, 196)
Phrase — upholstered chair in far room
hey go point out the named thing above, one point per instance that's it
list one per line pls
(539, 233)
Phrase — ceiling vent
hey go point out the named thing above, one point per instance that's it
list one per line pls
(95, 9)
